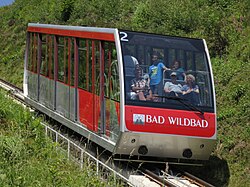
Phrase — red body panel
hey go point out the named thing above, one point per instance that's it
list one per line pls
(88, 111)
(168, 121)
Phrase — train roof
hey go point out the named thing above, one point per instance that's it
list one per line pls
(69, 27)
(99, 30)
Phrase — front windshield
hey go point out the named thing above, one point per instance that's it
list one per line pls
(160, 68)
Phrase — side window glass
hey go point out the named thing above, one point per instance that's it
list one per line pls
(96, 64)
(115, 84)
(65, 58)
(111, 72)
(83, 68)
(61, 58)
(51, 56)
(89, 64)
(85, 64)
(31, 40)
(33, 47)
(72, 62)
(44, 56)
(35, 51)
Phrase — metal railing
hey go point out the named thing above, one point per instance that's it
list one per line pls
(79, 154)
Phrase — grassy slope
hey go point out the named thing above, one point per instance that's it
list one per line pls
(12, 47)
(223, 25)
(28, 158)
(233, 96)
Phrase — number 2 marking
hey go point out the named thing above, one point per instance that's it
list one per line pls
(124, 36)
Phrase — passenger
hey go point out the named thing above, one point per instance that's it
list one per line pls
(156, 74)
(128, 59)
(130, 63)
(179, 70)
(190, 90)
(173, 88)
(140, 86)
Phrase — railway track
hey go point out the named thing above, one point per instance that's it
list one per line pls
(130, 173)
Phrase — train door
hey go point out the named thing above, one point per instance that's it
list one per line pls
(72, 82)
(65, 90)
(107, 84)
(98, 87)
(32, 66)
(89, 83)
(46, 71)
(110, 101)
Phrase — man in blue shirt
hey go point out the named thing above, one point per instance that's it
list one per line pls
(156, 73)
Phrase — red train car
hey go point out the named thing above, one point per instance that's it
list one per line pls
(132, 93)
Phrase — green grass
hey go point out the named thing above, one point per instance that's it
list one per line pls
(29, 158)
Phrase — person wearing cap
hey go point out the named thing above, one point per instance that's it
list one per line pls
(156, 74)
(173, 88)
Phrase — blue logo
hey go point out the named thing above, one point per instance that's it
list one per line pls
(139, 119)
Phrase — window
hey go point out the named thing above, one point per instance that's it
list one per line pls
(96, 66)
(65, 60)
(61, 59)
(72, 62)
(50, 46)
(84, 68)
(183, 56)
(44, 56)
(47, 54)
(33, 47)
(111, 82)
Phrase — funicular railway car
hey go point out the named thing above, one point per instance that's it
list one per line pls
(85, 77)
